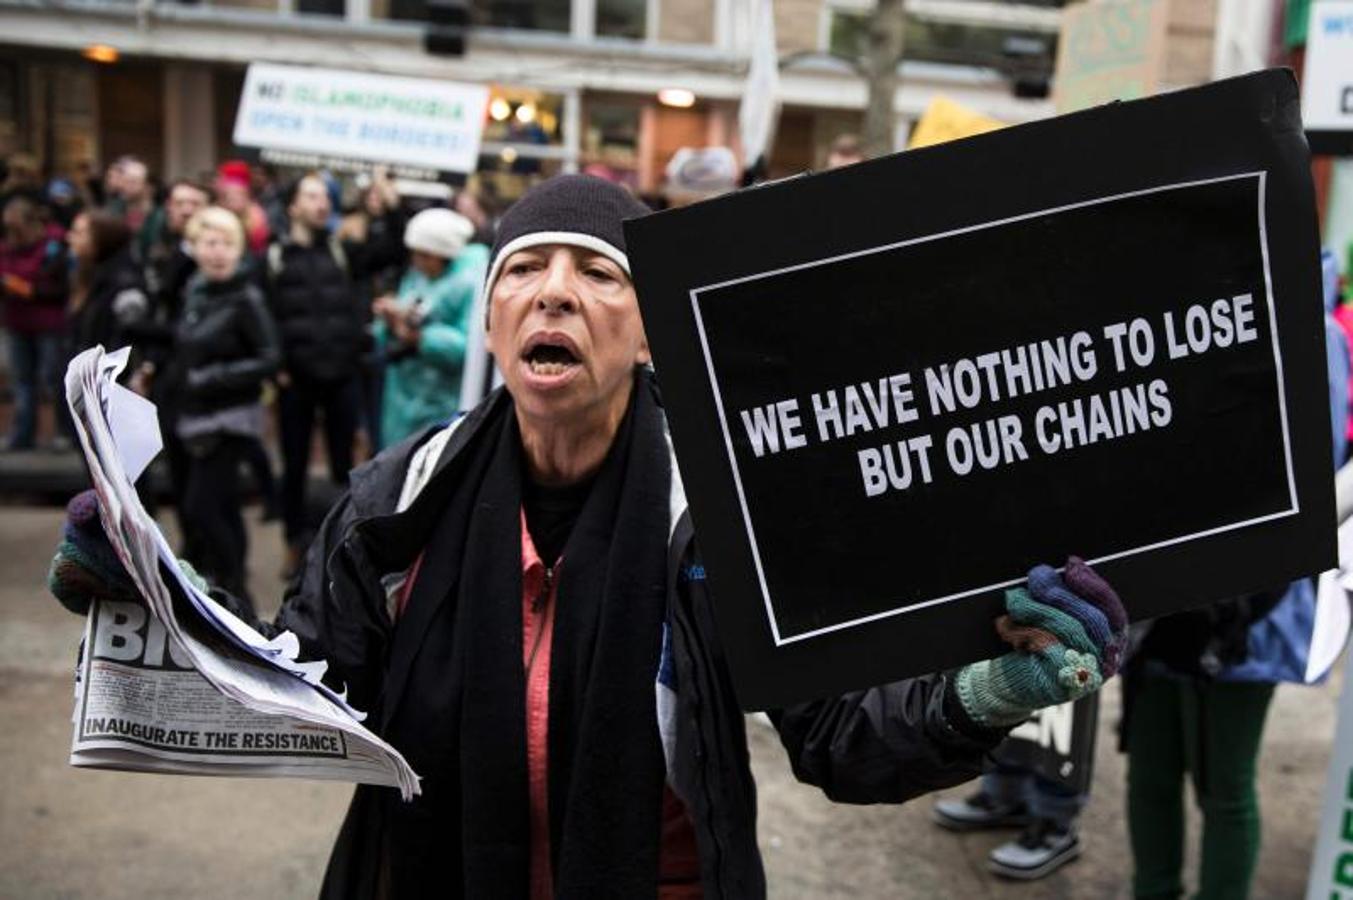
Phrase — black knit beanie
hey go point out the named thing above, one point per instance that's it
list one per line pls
(579, 210)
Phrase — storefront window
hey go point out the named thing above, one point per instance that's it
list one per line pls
(622, 18)
(507, 178)
(610, 144)
(534, 15)
(524, 117)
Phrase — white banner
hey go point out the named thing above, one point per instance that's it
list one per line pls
(382, 118)
(1327, 83)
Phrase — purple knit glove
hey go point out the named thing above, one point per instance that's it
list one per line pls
(85, 567)
(1049, 588)
(1085, 583)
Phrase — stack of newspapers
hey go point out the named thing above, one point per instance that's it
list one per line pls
(178, 683)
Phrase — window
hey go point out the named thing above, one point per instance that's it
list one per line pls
(322, 7)
(622, 18)
(942, 42)
(524, 117)
(611, 135)
(849, 31)
(532, 15)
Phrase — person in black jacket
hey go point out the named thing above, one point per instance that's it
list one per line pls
(309, 275)
(167, 264)
(163, 248)
(225, 346)
(107, 296)
(518, 601)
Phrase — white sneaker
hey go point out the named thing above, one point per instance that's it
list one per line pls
(979, 812)
(1039, 851)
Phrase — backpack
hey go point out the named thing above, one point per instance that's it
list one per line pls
(340, 257)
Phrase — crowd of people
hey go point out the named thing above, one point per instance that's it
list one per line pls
(254, 309)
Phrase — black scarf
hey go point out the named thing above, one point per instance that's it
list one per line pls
(606, 771)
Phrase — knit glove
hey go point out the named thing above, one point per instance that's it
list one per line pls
(1068, 632)
(86, 568)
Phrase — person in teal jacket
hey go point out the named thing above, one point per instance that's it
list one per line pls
(423, 329)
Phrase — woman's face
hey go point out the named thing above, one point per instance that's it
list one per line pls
(373, 203)
(234, 196)
(80, 240)
(217, 254)
(565, 331)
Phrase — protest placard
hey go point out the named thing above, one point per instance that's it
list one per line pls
(387, 119)
(1057, 744)
(1110, 51)
(895, 387)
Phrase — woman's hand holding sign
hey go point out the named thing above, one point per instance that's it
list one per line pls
(1068, 632)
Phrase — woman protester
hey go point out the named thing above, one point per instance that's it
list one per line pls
(225, 346)
(517, 599)
(107, 294)
(1196, 692)
(422, 329)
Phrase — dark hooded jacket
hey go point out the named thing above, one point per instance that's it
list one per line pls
(312, 291)
(115, 303)
(885, 744)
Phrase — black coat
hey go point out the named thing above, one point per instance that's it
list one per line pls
(115, 303)
(225, 345)
(167, 271)
(885, 744)
(321, 316)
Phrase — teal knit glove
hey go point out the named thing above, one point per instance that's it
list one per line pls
(1055, 658)
(195, 579)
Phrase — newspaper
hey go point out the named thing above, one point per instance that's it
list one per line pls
(181, 684)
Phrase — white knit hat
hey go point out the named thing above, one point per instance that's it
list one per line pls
(440, 232)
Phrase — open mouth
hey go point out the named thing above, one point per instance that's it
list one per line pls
(549, 355)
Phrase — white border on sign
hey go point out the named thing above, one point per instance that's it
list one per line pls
(1262, 176)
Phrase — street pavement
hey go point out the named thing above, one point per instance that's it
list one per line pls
(67, 833)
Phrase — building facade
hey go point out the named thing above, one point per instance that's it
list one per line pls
(575, 83)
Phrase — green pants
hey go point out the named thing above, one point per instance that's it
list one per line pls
(1212, 730)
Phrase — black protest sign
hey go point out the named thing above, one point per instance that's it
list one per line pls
(1057, 744)
(895, 387)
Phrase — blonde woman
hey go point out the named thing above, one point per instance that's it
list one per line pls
(225, 346)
